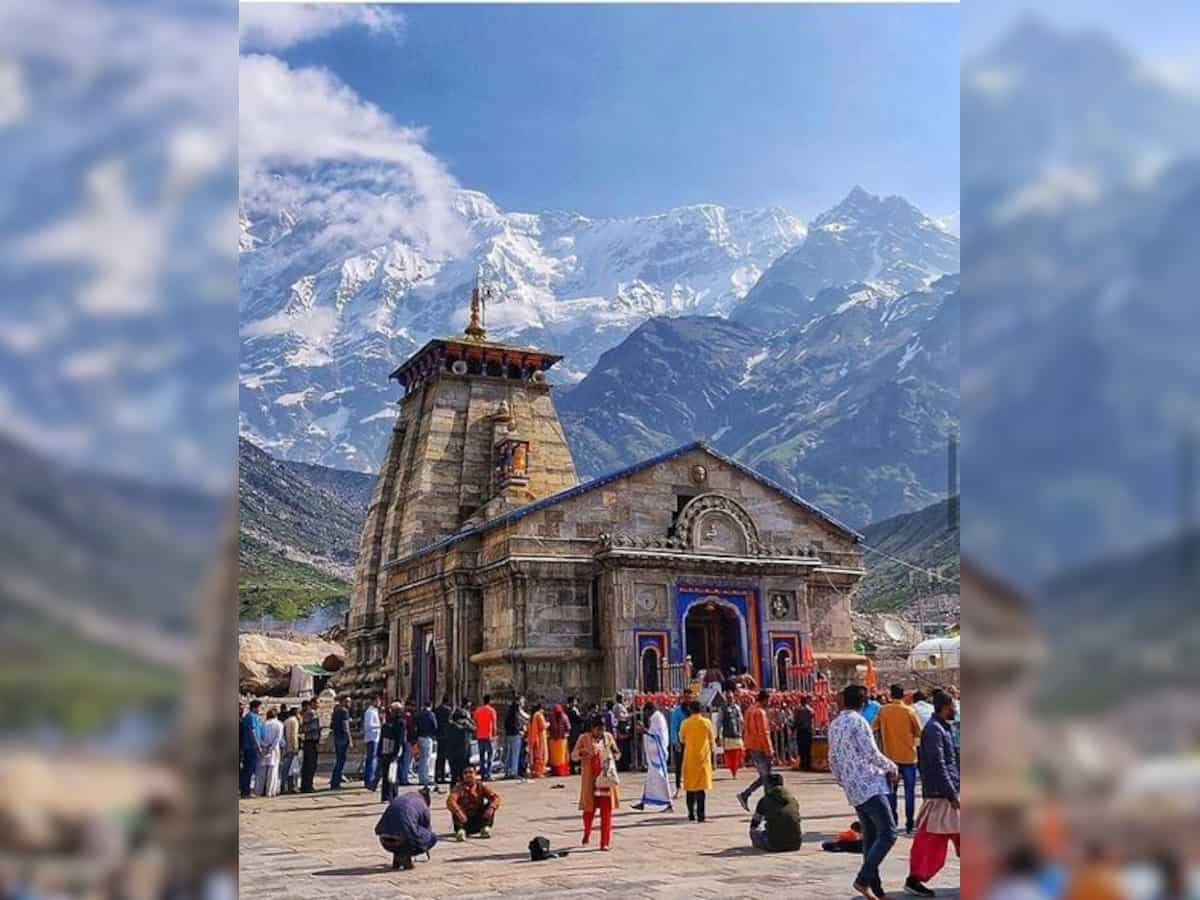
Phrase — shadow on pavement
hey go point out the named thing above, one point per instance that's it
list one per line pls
(384, 868)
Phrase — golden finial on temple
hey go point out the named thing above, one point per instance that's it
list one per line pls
(475, 330)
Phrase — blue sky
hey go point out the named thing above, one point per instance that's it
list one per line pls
(1158, 27)
(613, 110)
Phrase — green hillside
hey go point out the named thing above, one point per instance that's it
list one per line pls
(922, 539)
(299, 534)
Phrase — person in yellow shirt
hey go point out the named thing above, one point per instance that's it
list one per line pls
(899, 732)
(699, 740)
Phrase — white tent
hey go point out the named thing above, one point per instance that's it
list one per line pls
(934, 653)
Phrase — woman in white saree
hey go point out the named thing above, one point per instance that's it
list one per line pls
(656, 793)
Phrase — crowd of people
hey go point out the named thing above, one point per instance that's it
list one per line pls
(875, 745)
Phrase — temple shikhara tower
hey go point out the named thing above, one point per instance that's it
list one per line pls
(486, 566)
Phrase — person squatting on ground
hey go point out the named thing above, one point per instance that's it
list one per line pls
(597, 754)
(699, 740)
(757, 742)
(899, 730)
(866, 775)
(938, 823)
(776, 825)
(473, 805)
(404, 829)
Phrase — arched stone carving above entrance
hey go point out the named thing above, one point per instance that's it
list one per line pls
(717, 524)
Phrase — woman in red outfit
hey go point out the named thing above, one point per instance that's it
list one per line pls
(596, 752)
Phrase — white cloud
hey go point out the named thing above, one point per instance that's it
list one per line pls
(98, 237)
(1177, 72)
(276, 26)
(314, 325)
(1058, 187)
(383, 183)
(995, 82)
(14, 98)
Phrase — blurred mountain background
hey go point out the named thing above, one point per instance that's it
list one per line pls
(1081, 186)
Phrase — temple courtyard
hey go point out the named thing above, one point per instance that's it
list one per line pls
(323, 845)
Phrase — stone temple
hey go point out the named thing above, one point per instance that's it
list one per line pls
(487, 566)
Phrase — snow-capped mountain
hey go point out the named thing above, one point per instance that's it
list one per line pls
(851, 408)
(323, 324)
(885, 242)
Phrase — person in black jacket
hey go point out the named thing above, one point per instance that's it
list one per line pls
(392, 738)
(310, 736)
(459, 732)
(576, 718)
(938, 822)
(443, 719)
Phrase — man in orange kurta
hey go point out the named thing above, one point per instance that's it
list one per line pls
(757, 742)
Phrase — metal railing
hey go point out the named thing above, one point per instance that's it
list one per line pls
(673, 678)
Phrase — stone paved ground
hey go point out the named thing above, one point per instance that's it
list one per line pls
(323, 845)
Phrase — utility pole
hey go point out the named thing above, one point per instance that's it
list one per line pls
(1187, 501)
(952, 481)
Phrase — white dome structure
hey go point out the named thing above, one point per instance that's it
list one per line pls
(934, 653)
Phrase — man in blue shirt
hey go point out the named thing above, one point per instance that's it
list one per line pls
(678, 714)
(871, 710)
(249, 735)
(404, 828)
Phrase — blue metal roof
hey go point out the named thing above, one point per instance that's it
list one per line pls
(582, 488)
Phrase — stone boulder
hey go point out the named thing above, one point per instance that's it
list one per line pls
(265, 660)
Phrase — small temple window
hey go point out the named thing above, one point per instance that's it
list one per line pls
(650, 671)
(783, 662)
(512, 462)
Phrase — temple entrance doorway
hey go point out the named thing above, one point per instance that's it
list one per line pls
(713, 635)
(424, 665)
